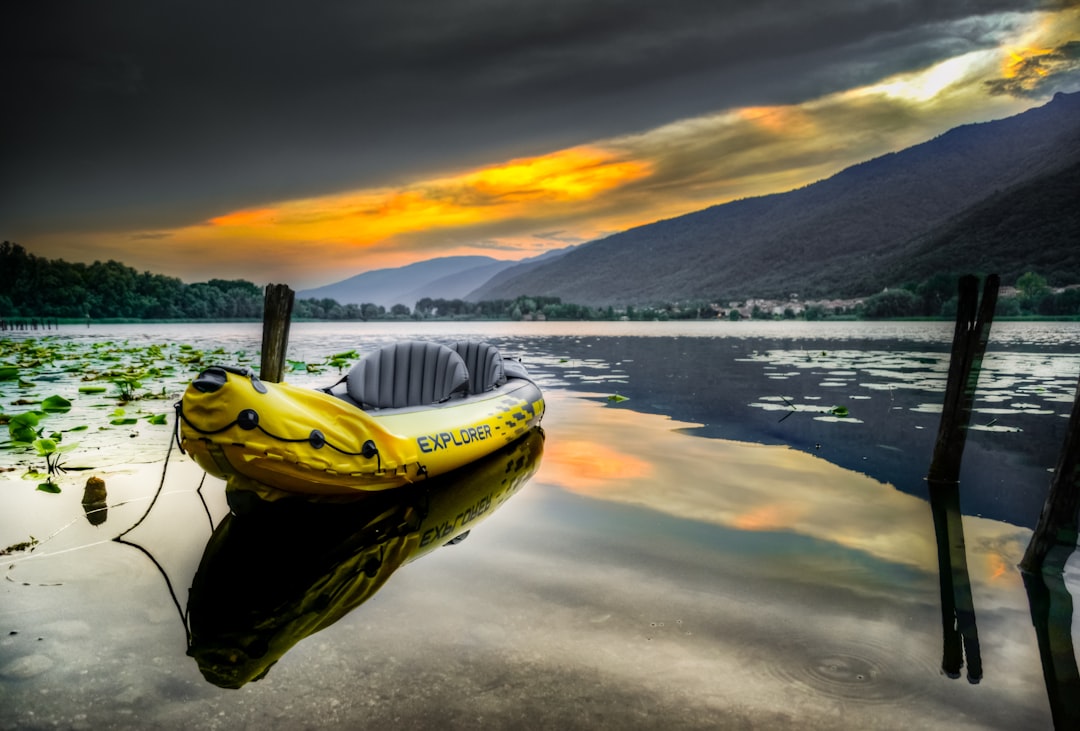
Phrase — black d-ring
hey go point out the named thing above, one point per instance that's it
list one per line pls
(316, 439)
(247, 419)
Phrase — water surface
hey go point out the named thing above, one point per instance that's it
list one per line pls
(719, 551)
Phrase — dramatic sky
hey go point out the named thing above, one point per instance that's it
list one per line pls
(304, 142)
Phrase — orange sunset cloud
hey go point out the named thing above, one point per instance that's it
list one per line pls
(519, 189)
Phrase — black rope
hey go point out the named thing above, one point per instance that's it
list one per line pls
(234, 422)
(160, 568)
(202, 499)
(153, 500)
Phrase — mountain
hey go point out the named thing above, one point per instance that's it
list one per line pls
(995, 196)
(450, 277)
(387, 287)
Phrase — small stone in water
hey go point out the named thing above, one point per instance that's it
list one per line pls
(94, 493)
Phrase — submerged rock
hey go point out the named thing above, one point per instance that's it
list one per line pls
(93, 501)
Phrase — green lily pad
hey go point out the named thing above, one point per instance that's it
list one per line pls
(56, 405)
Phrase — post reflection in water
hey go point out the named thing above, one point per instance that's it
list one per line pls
(275, 573)
(960, 633)
(1051, 613)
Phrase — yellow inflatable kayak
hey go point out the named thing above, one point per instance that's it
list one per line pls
(406, 412)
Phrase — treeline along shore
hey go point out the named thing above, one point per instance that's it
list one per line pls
(38, 293)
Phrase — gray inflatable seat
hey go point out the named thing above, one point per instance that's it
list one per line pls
(409, 373)
(485, 365)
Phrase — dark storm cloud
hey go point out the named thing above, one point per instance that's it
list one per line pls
(154, 114)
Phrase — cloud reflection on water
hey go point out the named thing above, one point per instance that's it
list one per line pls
(645, 460)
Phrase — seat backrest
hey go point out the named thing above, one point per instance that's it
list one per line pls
(408, 373)
(484, 362)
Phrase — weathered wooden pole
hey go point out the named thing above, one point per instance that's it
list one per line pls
(277, 313)
(1058, 521)
(972, 332)
(969, 346)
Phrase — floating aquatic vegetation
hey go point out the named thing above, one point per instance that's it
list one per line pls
(56, 405)
(89, 378)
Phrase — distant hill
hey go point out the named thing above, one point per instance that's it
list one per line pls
(997, 196)
(1030, 227)
(451, 277)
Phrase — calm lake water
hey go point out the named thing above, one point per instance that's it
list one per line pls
(723, 549)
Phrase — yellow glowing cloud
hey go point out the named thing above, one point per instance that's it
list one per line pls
(251, 218)
(1026, 58)
(522, 188)
(928, 84)
(787, 121)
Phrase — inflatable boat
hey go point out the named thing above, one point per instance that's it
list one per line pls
(405, 412)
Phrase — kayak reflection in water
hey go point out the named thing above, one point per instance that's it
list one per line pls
(274, 573)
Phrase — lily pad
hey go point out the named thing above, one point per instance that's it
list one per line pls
(56, 405)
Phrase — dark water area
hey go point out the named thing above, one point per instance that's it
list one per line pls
(771, 390)
(726, 548)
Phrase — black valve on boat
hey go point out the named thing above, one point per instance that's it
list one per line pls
(214, 377)
(210, 380)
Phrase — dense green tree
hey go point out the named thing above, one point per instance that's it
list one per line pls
(1032, 286)
(935, 292)
(891, 303)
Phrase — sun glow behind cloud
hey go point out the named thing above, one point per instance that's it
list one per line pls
(526, 188)
(526, 205)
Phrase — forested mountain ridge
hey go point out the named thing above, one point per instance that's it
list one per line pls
(932, 208)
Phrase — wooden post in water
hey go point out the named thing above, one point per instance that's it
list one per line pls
(973, 320)
(1058, 521)
(277, 312)
(969, 345)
